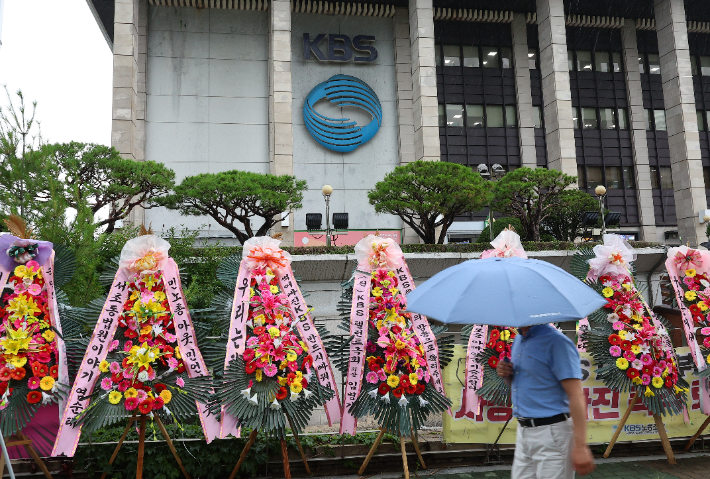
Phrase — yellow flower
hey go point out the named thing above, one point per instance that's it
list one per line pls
(608, 292)
(274, 332)
(627, 286)
(135, 295)
(691, 295)
(114, 397)
(131, 393)
(146, 329)
(393, 381)
(15, 340)
(376, 292)
(394, 291)
(635, 348)
(23, 272)
(415, 363)
(282, 381)
(21, 307)
(291, 356)
(679, 390)
(505, 335)
(389, 273)
(259, 375)
(17, 361)
(159, 296)
(637, 326)
(296, 387)
(274, 289)
(303, 345)
(622, 334)
(657, 382)
(251, 292)
(48, 335)
(690, 272)
(166, 396)
(703, 307)
(648, 392)
(103, 366)
(636, 380)
(622, 364)
(413, 378)
(665, 373)
(46, 383)
(150, 281)
(386, 283)
(399, 344)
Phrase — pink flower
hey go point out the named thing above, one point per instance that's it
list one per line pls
(382, 376)
(128, 374)
(123, 386)
(645, 379)
(420, 373)
(618, 326)
(688, 281)
(629, 356)
(20, 288)
(33, 382)
(113, 346)
(171, 338)
(657, 371)
(106, 384)
(372, 377)
(615, 351)
(151, 375)
(705, 331)
(646, 359)
(270, 370)
(127, 346)
(34, 289)
(130, 404)
(172, 363)
(637, 364)
(142, 395)
(180, 382)
(706, 342)
(115, 367)
(34, 265)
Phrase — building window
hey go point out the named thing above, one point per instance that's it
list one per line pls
(584, 61)
(537, 116)
(659, 120)
(570, 60)
(707, 119)
(601, 62)
(606, 119)
(613, 176)
(581, 180)
(647, 119)
(616, 61)
(701, 123)
(575, 117)
(623, 119)
(494, 116)
(454, 115)
(511, 120)
(706, 177)
(532, 58)
(594, 176)
(705, 66)
(629, 177)
(474, 116)
(666, 179)
(642, 66)
(589, 119)
(490, 57)
(654, 64)
(442, 115)
(693, 65)
(470, 57)
(506, 57)
(654, 177)
(452, 56)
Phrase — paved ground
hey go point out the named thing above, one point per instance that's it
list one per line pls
(689, 466)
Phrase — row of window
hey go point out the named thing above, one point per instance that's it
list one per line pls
(483, 116)
(587, 61)
(617, 177)
(479, 56)
(700, 65)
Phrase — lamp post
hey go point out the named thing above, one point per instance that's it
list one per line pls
(498, 173)
(600, 191)
(327, 190)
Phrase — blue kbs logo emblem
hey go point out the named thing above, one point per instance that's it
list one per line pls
(342, 134)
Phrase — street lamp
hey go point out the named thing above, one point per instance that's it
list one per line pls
(498, 173)
(600, 191)
(327, 190)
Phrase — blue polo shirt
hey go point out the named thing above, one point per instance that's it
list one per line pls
(542, 359)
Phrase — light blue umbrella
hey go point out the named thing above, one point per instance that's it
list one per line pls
(506, 292)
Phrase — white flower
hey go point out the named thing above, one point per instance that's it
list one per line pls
(143, 376)
(386, 398)
(258, 279)
(403, 402)
(373, 393)
(141, 351)
(157, 330)
(277, 342)
(250, 323)
(309, 375)
(705, 283)
(275, 405)
(246, 392)
(295, 396)
(612, 318)
(307, 393)
(269, 277)
(46, 398)
(254, 400)
(645, 348)
(630, 336)
(422, 402)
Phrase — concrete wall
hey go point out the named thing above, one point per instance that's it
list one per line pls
(207, 95)
(350, 174)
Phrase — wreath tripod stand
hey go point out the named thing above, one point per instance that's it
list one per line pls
(20, 439)
(403, 449)
(141, 444)
(284, 452)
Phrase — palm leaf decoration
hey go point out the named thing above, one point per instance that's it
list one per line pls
(267, 404)
(400, 413)
(623, 341)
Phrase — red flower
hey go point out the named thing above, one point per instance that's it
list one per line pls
(158, 403)
(626, 345)
(373, 366)
(669, 382)
(281, 393)
(146, 406)
(181, 367)
(491, 344)
(160, 387)
(614, 339)
(493, 361)
(248, 354)
(404, 381)
(420, 388)
(500, 346)
(54, 371)
(39, 369)
(398, 392)
(396, 329)
(647, 370)
(18, 373)
(695, 309)
(250, 367)
(130, 334)
(33, 397)
(145, 338)
(304, 382)
(632, 373)
(259, 330)
(495, 335)
(131, 404)
(383, 389)
(5, 374)
(3, 388)
(411, 389)
(117, 377)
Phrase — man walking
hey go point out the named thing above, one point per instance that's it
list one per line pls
(545, 378)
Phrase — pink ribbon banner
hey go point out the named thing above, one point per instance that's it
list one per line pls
(359, 317)
(582, 327)
(4, 275)
(68, 436)
(422, 329)
(237, 341)
(185, 332)
(471, 402)
(309, 333)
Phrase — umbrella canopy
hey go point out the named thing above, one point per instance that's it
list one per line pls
(512, 292)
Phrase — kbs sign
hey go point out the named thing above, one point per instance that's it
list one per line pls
(339, 48)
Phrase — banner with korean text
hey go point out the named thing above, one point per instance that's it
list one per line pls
(604, 408)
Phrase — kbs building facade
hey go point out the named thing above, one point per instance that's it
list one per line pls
(621, 100)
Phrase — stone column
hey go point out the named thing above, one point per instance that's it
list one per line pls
(681, 120)
(424, 100)
(280, 100)
(130, 53)
(634, 93)
(556, 94)
(523, 95)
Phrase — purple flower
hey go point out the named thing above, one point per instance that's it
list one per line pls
(615, 351)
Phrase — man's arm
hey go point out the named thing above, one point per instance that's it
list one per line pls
(505, 371)
(581, 455)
